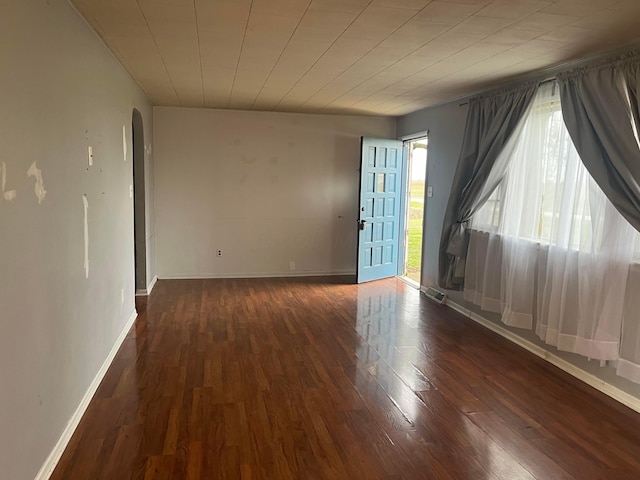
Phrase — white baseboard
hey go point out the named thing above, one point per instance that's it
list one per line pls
(152, 284)
(54, 457)
(147, 291)
(605, 387)
(198, 276)
(410, 282)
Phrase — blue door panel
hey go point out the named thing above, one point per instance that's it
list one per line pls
(379, 210)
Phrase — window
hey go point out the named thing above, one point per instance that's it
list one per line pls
(547, 195)
(557, 254)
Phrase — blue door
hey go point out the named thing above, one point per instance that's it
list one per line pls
(379, 214)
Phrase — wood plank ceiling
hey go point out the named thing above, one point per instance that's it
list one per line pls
(380, 57)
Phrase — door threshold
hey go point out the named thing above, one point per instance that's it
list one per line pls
(409, 281)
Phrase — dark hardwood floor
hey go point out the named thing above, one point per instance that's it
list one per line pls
(311, 378)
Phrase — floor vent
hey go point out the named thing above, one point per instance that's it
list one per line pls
(435, 295)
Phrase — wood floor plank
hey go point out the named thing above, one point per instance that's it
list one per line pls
(317, 378)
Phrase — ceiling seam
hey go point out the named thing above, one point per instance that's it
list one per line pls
(244, 36)
(428, 66)
(421, 46)
(195, 12)
(281, 53)
(323, 54)
(155, 42)
(431, 65)
(441, 78)
(361, 56)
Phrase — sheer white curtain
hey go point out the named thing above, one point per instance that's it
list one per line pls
(629, 362)
(549, 251)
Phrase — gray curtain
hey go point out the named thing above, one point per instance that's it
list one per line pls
(632, 77)
(601, 110)
(491, 122)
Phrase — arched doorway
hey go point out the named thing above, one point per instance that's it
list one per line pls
(139, 228)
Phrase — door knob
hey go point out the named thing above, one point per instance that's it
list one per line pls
(362, 224)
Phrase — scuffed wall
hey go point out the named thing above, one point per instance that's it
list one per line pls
(276, 193)
(66, 225)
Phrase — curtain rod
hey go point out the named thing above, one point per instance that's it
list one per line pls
(548, 80)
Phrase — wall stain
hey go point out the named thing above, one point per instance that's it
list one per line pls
(35, 172)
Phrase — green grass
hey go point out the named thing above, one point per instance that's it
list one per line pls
(414, 251)
(417, 190)
(414, 247)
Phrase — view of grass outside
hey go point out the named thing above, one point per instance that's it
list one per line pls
(414, 250)
(418, 164)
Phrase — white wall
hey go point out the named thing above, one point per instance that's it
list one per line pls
(445, 124)
(265, 188)
(60, 91)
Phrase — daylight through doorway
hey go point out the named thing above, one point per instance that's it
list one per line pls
(414, 207)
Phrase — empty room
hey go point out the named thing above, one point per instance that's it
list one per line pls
(320, 239)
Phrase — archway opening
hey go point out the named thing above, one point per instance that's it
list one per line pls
(139, 219)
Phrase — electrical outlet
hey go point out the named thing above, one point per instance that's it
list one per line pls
(219, 253)
(292, 266)
(429, 192)
(90, 155)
